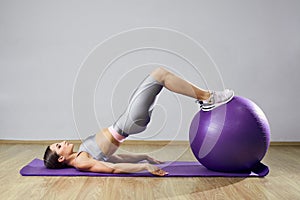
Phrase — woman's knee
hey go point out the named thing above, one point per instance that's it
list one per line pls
(160, 74)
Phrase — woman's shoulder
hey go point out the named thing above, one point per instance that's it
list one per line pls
(83, 160)
(83, 154)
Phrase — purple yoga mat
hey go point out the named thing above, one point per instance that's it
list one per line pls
(176, 169)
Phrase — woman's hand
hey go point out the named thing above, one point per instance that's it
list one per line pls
(155, 170)
(153, 160)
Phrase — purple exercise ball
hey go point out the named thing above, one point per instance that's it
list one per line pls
(230, 138)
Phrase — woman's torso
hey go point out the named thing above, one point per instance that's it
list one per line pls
(100, 146)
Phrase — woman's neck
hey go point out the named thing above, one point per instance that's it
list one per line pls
(71, 159)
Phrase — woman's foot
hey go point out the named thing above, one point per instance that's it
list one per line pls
(216, 99)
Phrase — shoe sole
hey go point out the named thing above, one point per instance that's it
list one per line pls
(206, 109)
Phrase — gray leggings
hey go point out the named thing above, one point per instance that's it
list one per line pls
(138, 113)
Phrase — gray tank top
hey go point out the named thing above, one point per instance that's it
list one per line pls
(90, 146)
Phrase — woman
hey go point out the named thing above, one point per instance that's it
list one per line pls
(96, 153)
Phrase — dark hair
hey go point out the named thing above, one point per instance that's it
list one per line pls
(51, 160)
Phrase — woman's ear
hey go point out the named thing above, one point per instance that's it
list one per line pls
(61, 159)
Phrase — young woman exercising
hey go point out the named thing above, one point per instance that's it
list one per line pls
(96, 153)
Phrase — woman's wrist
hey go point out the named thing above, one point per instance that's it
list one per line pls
(145, 166)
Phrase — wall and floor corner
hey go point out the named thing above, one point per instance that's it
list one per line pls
(42, 45)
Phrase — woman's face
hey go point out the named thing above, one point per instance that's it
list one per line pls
(63, 148)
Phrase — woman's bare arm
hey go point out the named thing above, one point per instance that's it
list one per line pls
(92, 165)
(132, 158)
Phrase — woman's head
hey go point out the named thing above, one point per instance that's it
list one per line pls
(56, 154)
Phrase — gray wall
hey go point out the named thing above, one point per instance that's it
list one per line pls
(256, 45)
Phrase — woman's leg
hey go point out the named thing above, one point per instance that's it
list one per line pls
(179, 85)
(208, 100)
(138, 112)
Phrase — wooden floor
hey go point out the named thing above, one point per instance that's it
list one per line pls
(283, 182)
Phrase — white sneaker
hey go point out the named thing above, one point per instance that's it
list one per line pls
(216, 99)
